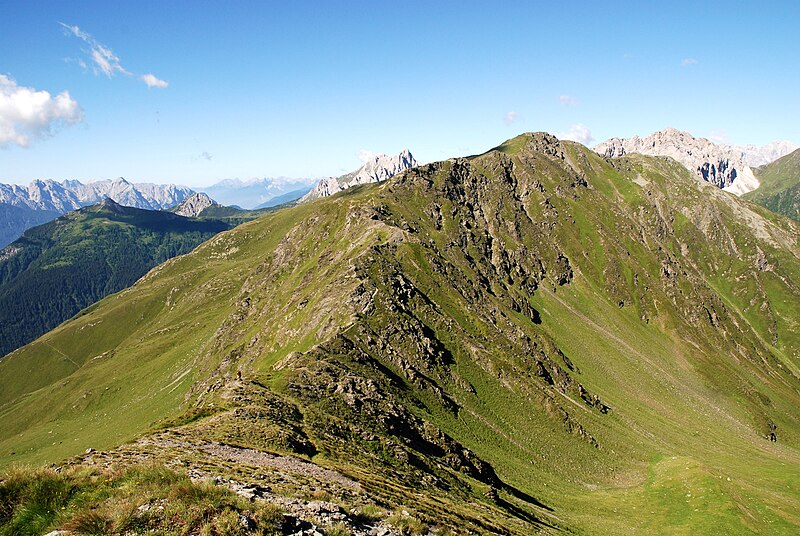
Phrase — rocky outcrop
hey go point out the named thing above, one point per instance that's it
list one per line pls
(725, 167)
(378, 169)
(194, 205)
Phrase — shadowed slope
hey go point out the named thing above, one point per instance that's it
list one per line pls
(56, 269)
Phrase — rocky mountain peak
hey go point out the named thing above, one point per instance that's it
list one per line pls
(110, 204)
(726, 166)
(722, 166)
(192, 206)
(379, 168)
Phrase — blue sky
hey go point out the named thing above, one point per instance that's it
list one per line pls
(301, 89)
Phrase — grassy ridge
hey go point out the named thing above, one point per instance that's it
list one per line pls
(779, 190)
(553, 339)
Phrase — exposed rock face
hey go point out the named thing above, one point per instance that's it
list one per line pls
(380, 168)
(725, 167)
(192, 206)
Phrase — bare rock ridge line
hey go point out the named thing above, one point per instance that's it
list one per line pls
(192, 206)
(378, 169)
(72, 194)
(727, 167)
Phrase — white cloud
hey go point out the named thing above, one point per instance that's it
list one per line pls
(511, 117)
(104, 59)
(27, 114)
(152, 81)
(365, 156)
(566, 100)
(579, 133)
(685, 62)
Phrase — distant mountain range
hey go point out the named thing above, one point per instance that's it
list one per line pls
(56, 269)
(728, 167)
(258, 193)
(72, 194)
(22, 207)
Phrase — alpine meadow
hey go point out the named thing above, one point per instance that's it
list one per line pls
(283, 322)
(529, 339)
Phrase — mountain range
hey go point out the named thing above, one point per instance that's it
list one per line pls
(728, 167)
(537, 339)
(22, 207)
(258, 193)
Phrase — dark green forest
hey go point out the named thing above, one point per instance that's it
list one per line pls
(56, 269)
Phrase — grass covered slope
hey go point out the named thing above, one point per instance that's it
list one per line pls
(780, 186)
(108, 502)
(530, 339)
(56, 269)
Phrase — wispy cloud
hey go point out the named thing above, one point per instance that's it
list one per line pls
(27, 114)
(152, 81)
(103, 60)
(566, 100)
(511, 118)
(205, 155)
(686, 62)
(579, 133)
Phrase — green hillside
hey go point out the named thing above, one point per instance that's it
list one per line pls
(534, 339)
(779, 190)
(56, 269)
